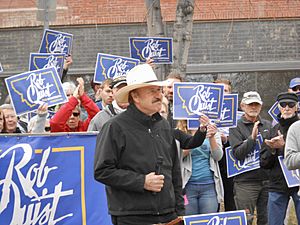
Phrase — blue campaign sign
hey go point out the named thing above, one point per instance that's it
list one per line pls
(292, 177)
(45, 60)
(223, 218)
(28, 90)
(50, 180)
(158, 48)
(228, 114)
(56, 42)
(190, 100)
(229, 111)
(274, 111)
(112, 66)
(1, 69)
(251, 162)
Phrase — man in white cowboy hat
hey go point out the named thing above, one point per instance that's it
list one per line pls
(136, 156)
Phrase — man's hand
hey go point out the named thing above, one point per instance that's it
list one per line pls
(255, 130)
(276, 142)
(154, 182)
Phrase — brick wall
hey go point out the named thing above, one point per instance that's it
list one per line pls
(224, 31)
(19, 13)
(221, 42)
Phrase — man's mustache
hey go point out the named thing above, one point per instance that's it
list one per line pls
(157, 100)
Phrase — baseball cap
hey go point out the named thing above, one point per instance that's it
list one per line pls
(118, 81)
(251, 97)
(295, 82)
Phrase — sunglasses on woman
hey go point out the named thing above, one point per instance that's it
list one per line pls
(76, 114)
(289, 104)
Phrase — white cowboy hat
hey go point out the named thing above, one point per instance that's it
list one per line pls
(138, 77)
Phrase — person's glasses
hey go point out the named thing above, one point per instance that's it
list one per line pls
(75, 114)
(289, 104)
(296, 89)
(47, 129)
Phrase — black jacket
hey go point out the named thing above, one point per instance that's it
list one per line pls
(270, 161)
(127, 149)
(188, 141)
(242, 144)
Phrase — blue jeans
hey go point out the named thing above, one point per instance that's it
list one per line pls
(202, 198)
(277, 206)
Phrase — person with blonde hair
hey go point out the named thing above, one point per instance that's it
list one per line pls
(11, 119)
(2, 121)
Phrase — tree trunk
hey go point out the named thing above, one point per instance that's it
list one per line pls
(154, 19)
(156, 28)
(182, 36)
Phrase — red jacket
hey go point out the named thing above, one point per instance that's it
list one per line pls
(58, 123)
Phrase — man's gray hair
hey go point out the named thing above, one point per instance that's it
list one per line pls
(6, 106)
(69, 86)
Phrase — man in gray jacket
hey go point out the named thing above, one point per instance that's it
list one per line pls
(250, 188)
(109, 110)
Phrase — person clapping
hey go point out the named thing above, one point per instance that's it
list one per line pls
(67, 117)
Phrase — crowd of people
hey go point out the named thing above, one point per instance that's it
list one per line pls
(155, 169)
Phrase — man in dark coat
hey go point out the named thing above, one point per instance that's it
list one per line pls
(136, 156)
(279, 192)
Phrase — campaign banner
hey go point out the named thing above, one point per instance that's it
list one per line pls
(274, 110)
(56, 42)
(191, 100)
(49, 179)
(223, 218)
(112, 66)
(45, 60)
(1, 68)
(251, 162)
(228, 114)
(292, 177)
(29, 90)
(157, 48)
